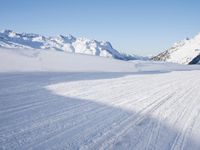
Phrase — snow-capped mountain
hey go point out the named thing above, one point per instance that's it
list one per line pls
(67, 43)
(183, 52)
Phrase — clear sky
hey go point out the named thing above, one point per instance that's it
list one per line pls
(143, 27)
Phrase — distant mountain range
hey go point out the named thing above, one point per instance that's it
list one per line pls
(183, 52)
(66, 43)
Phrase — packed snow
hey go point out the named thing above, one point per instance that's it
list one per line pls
(56, 100)
(182, 52)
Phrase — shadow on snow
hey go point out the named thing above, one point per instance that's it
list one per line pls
(31, 116)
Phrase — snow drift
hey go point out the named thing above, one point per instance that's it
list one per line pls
(23, 60)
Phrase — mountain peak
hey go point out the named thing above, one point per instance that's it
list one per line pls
(197, 37)
(183, 52)
(7, 31)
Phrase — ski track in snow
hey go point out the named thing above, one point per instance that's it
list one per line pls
(122, 111)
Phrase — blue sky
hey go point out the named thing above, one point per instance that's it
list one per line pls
(143, 27)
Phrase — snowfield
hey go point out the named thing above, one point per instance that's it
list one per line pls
(55, 100)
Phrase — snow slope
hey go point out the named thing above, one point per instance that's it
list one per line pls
(67, 43)
(50, 100)
(51, 60)
(29, 60)
(183, 52)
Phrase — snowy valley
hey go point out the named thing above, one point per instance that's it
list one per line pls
(55, 100)
(99, 75)
(51, 99)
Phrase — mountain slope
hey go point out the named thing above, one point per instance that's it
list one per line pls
(183, 52)
(67, 43)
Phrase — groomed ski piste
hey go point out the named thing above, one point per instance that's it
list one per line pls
(56, 100)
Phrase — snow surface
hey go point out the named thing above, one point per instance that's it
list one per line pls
(55, 100)
(26, 60)
(182, 52)
(66, 43)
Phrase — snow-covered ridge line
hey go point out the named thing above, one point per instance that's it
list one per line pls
(184, 52)
(66, 43)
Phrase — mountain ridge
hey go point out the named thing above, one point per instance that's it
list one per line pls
(186, 51)
(66, 43)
